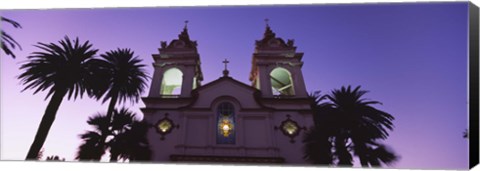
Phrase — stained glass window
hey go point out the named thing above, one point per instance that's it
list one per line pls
(225, 124)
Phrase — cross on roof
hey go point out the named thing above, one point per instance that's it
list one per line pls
(226, 62)
(186, 22)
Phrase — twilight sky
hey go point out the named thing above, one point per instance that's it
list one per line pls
(412, 57)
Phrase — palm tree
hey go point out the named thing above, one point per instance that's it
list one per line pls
(136, 141)
(323, 143)
(131, 144)
(123, 77)
(353, 128)
(93, 147)
(62, 69)
(127, 138)
(7, 41)
(362, 124)
(380, 154)
(318, 147)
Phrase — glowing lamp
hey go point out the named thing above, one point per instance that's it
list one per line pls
(226, 127)
(290, 128)
(164, 126)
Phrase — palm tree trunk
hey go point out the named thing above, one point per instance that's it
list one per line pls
(363, 159)
(360, 149)
(46, 124)
(344, 157)
(111, 106)
(113, 157)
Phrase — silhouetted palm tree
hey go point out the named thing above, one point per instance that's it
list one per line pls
(136, 140)
(123, 77)
(61, 69)
(93, 147)
(349, 126)
(132, 144)
(323, 143)
(7, 41)
(317, 139)
(381, 154)
(318, 147)
(126, 138)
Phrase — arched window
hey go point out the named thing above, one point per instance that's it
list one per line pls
(282, 83)
(172, 82)
(195, 83)
(225, 123)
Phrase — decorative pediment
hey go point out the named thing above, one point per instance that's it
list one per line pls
(226, 87)
(270, 41)
(183, 42)
(236, 86)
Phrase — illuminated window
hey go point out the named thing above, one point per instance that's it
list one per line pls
(194, 83)
(172, 82)
(281, 81)
(225, 124)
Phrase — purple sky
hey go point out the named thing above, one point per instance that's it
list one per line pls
(412, 57)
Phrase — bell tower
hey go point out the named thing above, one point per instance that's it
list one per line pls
(176, 68)
(277, 67)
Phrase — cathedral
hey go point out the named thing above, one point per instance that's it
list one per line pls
(227, 120)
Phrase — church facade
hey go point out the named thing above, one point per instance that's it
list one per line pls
(226, 120)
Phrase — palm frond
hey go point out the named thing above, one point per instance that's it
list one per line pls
(128, 137)
(122, 120)
(126, 75)
(58, 66)
(100, 123)
(7, 41)
(382, 155)
(352, 125)
(92, 148)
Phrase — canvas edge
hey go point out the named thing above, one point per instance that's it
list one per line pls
(473, 51)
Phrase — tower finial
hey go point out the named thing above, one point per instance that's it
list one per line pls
(184, 34)
(225, 72)
(268, 32)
